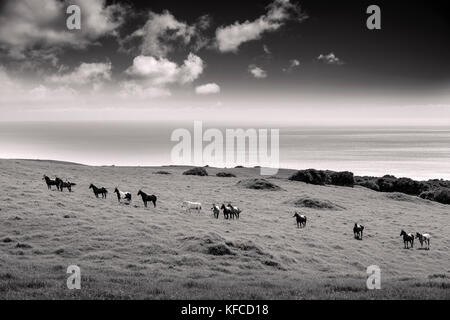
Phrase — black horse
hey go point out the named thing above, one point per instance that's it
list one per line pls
(50, 182)
(358, 231)
(408, 239)
(98, 191)
(227, 212)
(146, 198)
(301, 220)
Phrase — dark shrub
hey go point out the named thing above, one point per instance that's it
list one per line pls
(311, 176)
(162, 172)
(344, 178)
(225, 175)
(196, 172)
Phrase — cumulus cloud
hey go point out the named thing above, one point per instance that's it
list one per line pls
(294, 63)
(229, 38)
(330, 59)
(210, 88)
(161, 71)
(257, 72)
(150, 76)
(162, 32)
(39, 25)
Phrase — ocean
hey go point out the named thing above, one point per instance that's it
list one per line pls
(419, 153)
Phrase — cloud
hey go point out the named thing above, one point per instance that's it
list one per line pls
(161, 71)
(40, 26)
(86, 73)
(150, 76)
(229, 38)
(162, 32)
(210, 88)
(257, 72)
(330, 59)
(294, 63)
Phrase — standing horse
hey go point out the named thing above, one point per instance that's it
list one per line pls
(123, 195)
(68, 185)
(424, 238)
(236, 211)
(358, 231)
(408, 238)
(216, 211)
(98, 191)
(50, 182)
(227, 212)
(301, 220)
(146, 198)
(58, 183)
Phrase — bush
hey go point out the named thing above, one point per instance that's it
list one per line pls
(344, 179)
(259, 184)
(311, 176)
(439, 195)
(225, 175)
(196, 172)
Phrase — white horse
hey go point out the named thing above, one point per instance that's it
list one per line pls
(123, 195)
(424, 238)
(197, 206)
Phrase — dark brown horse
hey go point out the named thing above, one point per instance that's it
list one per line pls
(301, 220)
(408, 239)
(98, 191)
(50, 182)
(146, 198)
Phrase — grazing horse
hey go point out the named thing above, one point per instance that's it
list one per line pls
(301, 220)
(227, 212)
(146, 198)
(124, 195)
(424, 238)
(98, 191)
(358, 231)
(216, 211)
(68, 185)
(50, 182)
(235, 211)
(197, 206)
(408, 238)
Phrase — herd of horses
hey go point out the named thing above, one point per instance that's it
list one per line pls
(229, 211)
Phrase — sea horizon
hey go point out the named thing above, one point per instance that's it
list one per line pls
(365, 151)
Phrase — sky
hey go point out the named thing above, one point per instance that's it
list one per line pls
(287, 61)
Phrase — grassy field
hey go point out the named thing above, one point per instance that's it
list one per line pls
(129, 252)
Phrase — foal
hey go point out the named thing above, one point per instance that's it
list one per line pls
(358, 231)
(146, 198)
(301, 220)
(98, 191)
(408, 238)
(50, 182)
(424, 238)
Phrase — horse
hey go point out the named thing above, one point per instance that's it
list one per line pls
(408, 238)
(50, 182)
(146, 198)
(197, 206)
(235, 210)
(227, 212)
(68, 185)
(301, 220)
(216, 211)
(424, 238)
(124, 195)
(98, 191)
(358, 231)
(58, 183)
